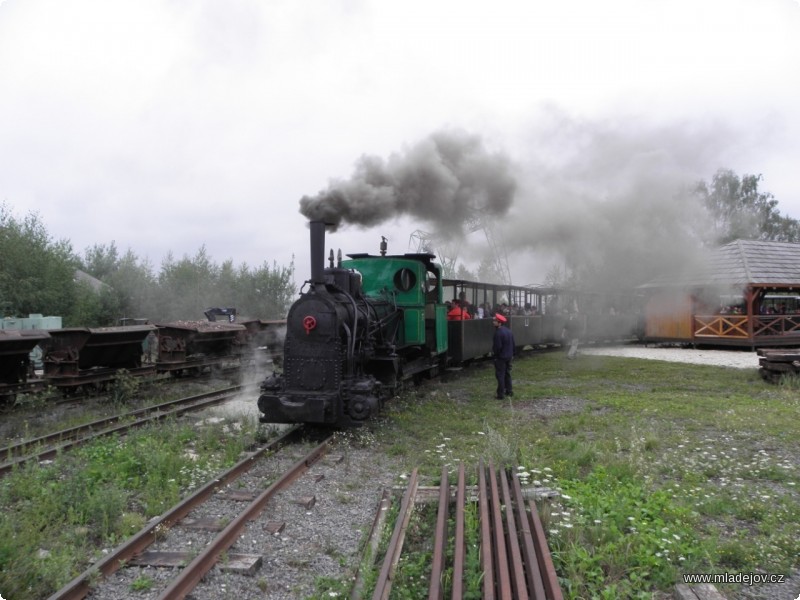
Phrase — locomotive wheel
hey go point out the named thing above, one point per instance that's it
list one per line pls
(359, 409)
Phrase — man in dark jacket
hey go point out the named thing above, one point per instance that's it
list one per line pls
(503, 351)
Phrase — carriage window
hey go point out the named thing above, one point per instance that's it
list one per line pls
(405, 279)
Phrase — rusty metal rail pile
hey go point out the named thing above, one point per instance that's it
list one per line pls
(515, 559)
(774, 363)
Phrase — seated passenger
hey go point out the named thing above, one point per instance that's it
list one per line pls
(465, 304)
(458, 312)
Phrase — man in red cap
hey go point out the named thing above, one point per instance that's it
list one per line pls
(503, 351)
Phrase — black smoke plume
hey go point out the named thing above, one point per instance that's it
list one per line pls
(447, 179)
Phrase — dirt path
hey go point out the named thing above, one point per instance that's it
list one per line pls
(738, 359)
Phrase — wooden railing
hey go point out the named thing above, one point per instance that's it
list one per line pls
(776, 325)
(736, 326)
(725, 326)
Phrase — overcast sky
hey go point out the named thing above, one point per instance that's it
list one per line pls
(167, 125)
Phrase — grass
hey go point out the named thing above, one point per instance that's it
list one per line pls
(663, 468)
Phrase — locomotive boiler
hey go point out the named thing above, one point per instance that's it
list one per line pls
(359, 328)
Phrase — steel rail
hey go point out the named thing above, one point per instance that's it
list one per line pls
(73, 432)
(549, 577)
(149, 416)
(191, 575)
(384, 584)
(498, 539)
(373, 541)
(459, 552)
(435, 591)
(486, 534)
(79, 587)
(532, 572)
(518, 582)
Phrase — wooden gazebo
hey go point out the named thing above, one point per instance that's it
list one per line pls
(745, 293)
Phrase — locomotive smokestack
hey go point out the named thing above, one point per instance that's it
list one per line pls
(317, 229)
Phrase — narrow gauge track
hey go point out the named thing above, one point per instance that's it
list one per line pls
(48, 446)
(168, 531)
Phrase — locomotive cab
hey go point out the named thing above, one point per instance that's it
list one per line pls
(414, 285)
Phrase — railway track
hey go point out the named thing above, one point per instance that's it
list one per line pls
(243, 532)
(48, 446)
(239, 494)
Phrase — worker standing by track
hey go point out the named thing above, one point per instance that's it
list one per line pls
(503, 352)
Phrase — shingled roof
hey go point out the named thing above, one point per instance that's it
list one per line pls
(742, 262)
